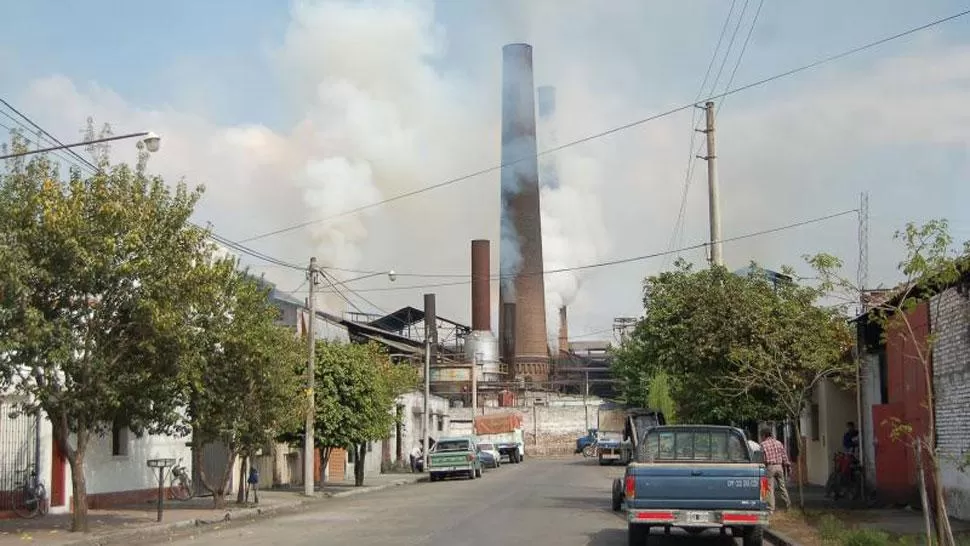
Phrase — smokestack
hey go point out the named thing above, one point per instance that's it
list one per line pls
(563, 331)
(481, 291)
(521, 246)
(507, 343)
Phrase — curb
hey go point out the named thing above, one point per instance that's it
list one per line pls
(779, 539)
(244, 514)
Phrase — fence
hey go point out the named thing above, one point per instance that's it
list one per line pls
(18, 451)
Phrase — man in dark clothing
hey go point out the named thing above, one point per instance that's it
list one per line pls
(850, 440)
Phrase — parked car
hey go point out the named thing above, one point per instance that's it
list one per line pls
(491, 457)
(453, 457)
(696, 477)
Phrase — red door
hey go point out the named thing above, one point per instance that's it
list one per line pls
(892, 456)
(58, 485)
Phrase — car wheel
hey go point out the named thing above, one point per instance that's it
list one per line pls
(617, 500)
(637, 534)
(478, 473)
(755, 536)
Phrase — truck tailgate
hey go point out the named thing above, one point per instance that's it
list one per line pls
(727, 486)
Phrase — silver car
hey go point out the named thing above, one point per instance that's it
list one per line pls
(495, 460)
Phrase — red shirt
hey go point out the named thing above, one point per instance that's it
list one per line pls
(775, 452)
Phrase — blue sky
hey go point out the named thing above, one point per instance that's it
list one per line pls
(241, 84)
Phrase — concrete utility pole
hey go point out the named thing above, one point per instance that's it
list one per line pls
(475, 362)
(430, 339)
(713, 193)
(311, 341)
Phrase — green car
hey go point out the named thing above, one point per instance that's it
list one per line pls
(456, 456)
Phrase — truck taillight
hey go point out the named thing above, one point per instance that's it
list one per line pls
(471, 457)
(764, 488)
(630, 486)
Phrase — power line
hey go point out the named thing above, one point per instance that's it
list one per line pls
(619, 128)
(50, 137)
(619, 261)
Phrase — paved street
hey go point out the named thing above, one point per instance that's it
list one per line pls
(563, 502)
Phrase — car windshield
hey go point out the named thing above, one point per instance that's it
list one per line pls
(692, 445)
(451, 445)
(486, 447)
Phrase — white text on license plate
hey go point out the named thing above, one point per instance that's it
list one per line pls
(698, 517)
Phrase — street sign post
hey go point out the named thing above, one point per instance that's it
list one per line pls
(161, 465)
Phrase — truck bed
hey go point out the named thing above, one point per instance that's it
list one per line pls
(691, 486)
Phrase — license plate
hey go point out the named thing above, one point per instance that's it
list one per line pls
(698, 517)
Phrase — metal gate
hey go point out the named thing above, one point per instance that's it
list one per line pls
(18, 451)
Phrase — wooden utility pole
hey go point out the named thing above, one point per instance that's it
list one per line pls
(308, 458)
(713, 192)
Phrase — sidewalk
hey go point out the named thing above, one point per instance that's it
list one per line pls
(124, 524)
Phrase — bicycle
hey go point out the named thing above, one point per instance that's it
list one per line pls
(32, 498)
(180, 483)
(846, 477)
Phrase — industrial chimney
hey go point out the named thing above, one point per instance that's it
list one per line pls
(548, 167)
(481, 346)
(521, 247)
(563, 331)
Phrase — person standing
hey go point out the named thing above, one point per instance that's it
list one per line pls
(415, 453)
(850, 440)
(253, 481)
(779, 465)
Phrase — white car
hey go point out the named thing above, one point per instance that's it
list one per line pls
(496, 458)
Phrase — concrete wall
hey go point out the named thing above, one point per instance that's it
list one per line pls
(871, 394)
(950, 323)
(439, 421)
(835, 407)
(547, 430)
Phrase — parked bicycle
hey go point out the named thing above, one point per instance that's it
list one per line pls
(846, 477)
(180, 483)
(30, 498)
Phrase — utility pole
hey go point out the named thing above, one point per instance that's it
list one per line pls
(430, 340)
(712, 187)
(311, 340)
(475, 362)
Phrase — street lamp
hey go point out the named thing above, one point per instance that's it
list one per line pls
(151, 141)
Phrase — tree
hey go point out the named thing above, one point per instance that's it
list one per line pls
(240, 368)
(659, 396)
(691, 321)
(930, 264)
(93, 272)
(356, 385)
(793, 345)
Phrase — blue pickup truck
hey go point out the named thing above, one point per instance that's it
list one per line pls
(696, 478)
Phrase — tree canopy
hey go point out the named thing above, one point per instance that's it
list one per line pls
(93, 276)
(734, 348)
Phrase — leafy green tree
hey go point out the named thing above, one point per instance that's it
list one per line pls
(691, 321)
(660, 395)
(356, 385)
(241, 369)
(93, 273)
(794, 343)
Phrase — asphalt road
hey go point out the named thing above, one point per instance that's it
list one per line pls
(538, 502)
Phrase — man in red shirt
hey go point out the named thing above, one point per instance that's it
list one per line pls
(776, 459)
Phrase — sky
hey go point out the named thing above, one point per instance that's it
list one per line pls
(289, 112)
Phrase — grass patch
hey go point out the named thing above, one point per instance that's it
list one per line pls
(831, 529)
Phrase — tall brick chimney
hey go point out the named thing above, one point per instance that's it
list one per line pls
(521, 246)
(563, 331)
(481, 289)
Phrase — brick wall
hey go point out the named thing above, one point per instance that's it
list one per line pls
(950, 323)
(548, 430)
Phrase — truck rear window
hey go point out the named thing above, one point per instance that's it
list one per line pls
(452, 445)
(692, 445)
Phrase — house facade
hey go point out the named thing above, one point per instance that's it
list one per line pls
(893, 391)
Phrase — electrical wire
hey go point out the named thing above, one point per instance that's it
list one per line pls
(619, 261)
(619, 128)
(50, 137)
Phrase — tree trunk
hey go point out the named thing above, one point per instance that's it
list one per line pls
(75, 458)
(325, 453)
(241, 495)
(359, 466)
(798, 464)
